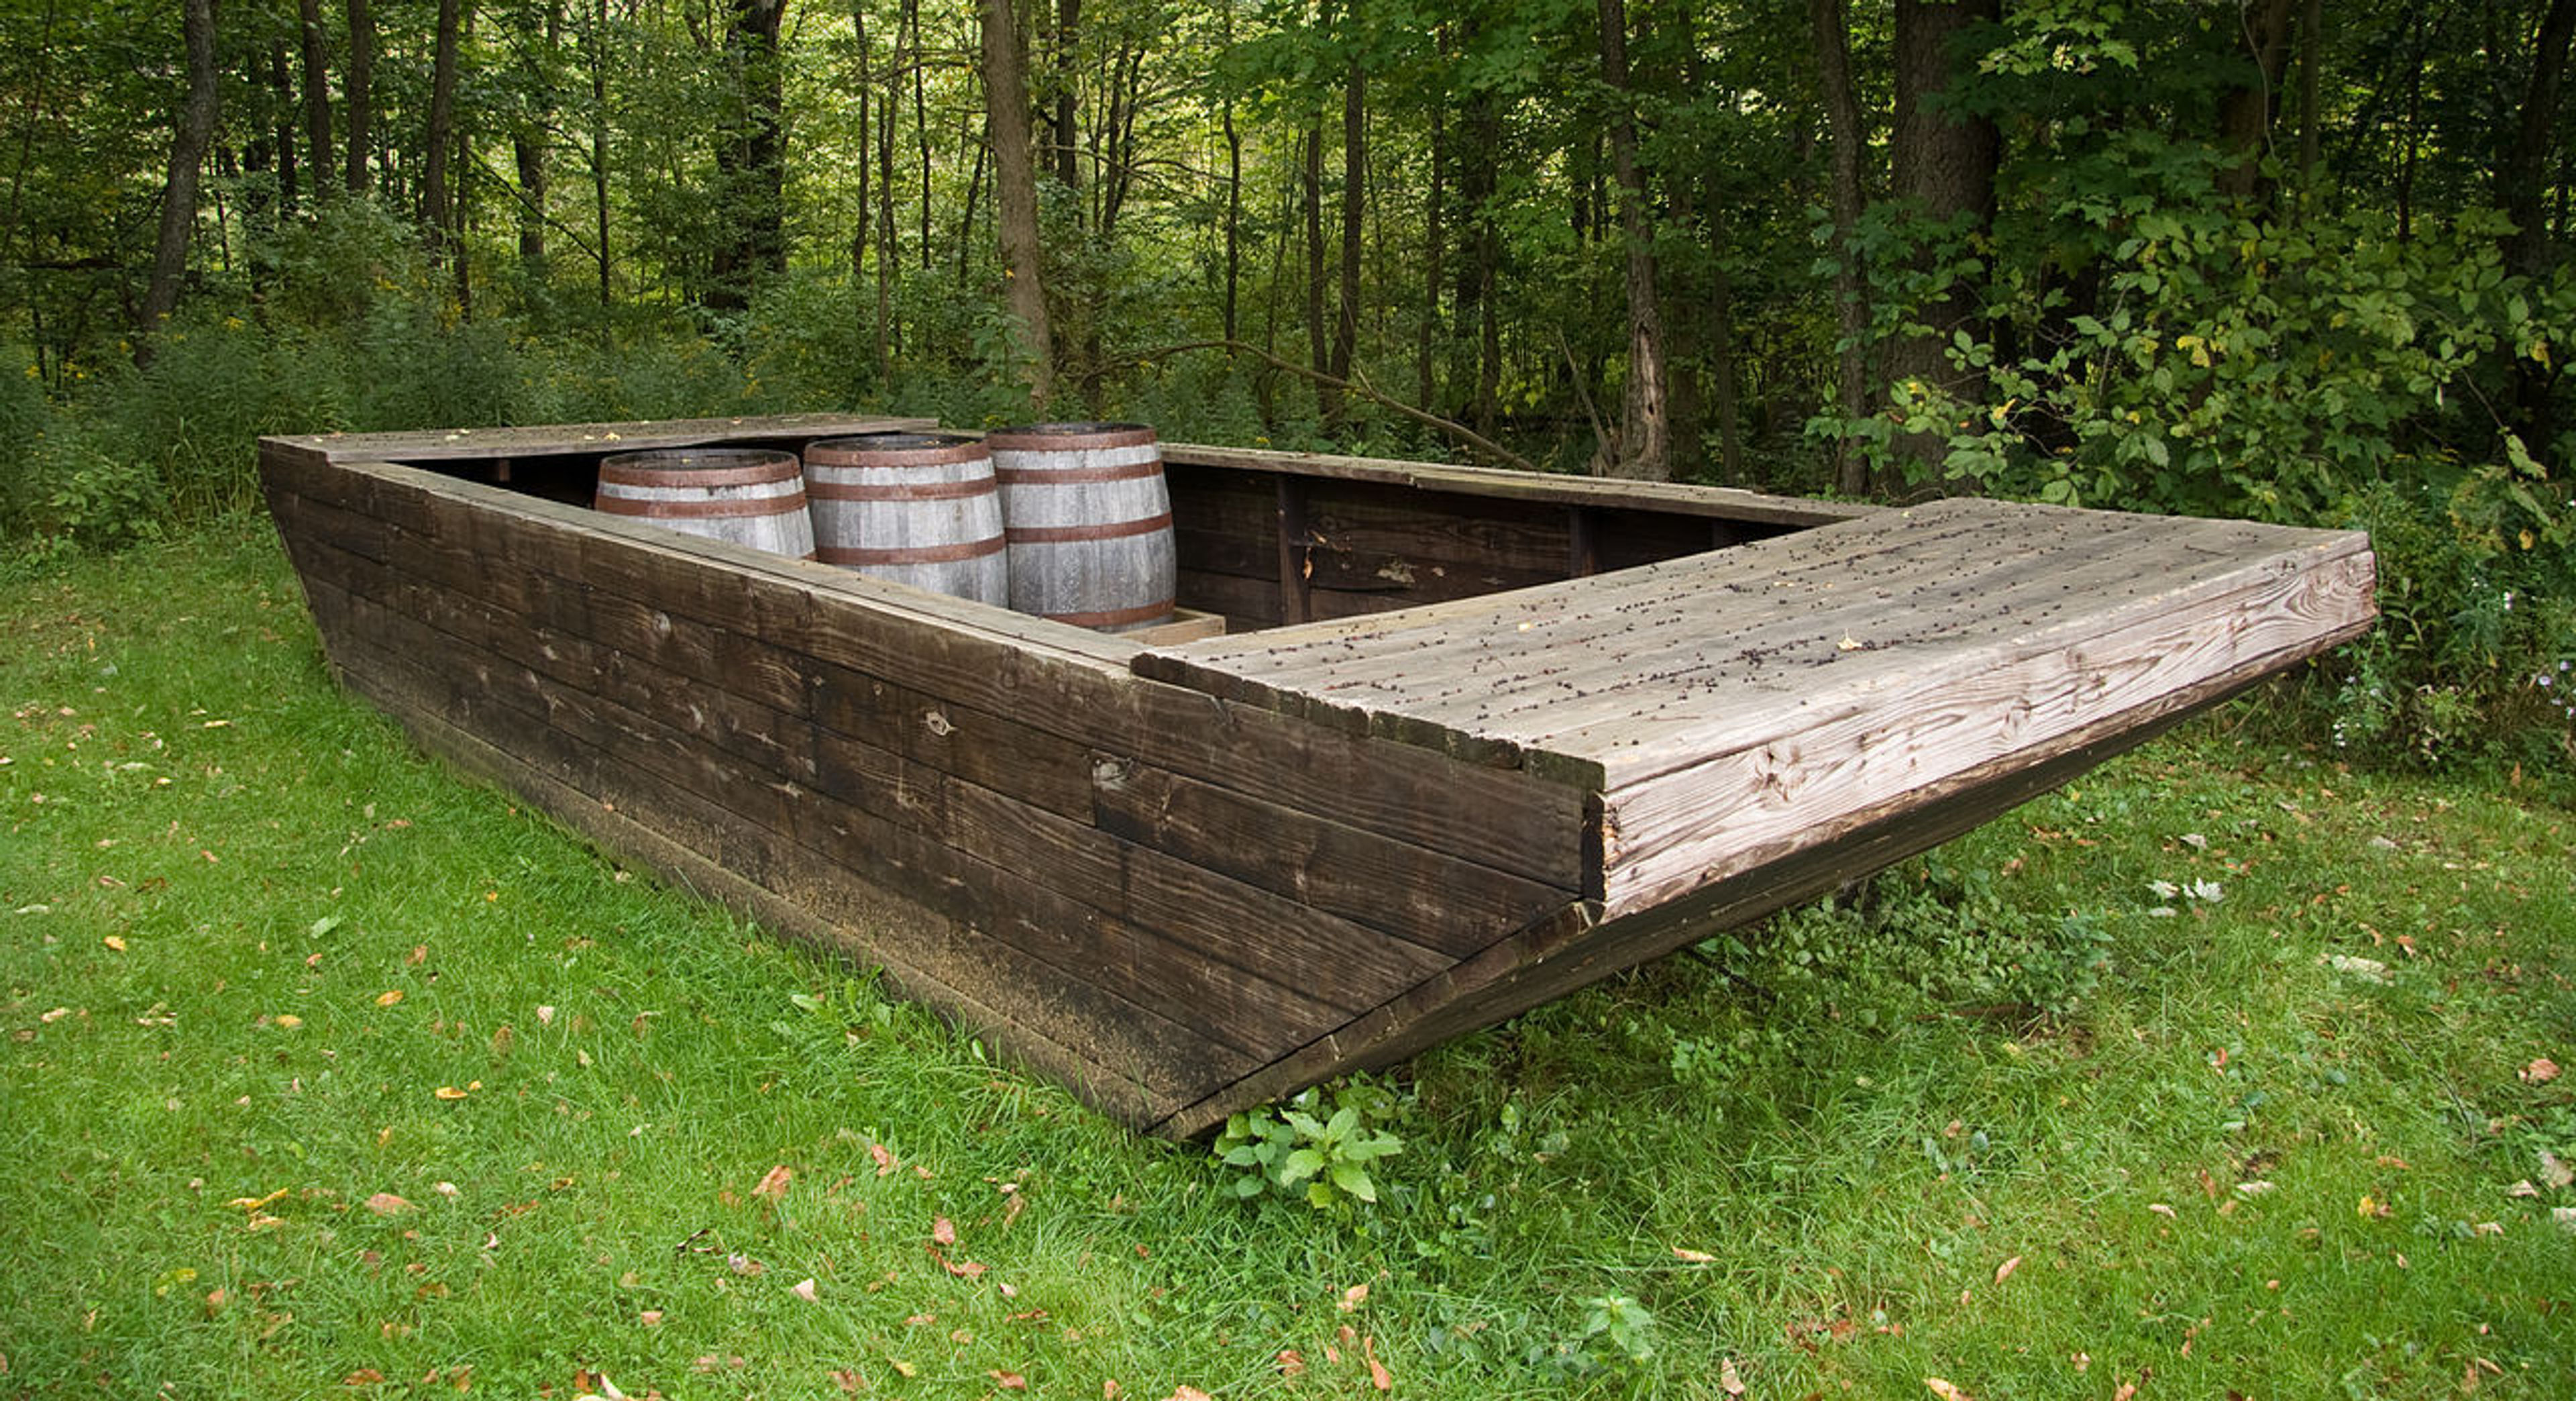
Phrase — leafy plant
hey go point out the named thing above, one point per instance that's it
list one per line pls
(1618, 1331)
(1317, 1147)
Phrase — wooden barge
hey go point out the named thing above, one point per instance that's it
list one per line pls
(1472, 739)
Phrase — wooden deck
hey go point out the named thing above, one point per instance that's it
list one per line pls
(1492, 738)
(1724, 704)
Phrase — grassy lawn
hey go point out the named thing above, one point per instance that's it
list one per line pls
(325, 1073)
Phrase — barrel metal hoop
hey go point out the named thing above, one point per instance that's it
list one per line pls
(1071, 476)
(786, 505)
(915, 554)
(854, 452)
(923, 491)
(1058, 437)
(1116, 617)
(1081, 534)
(623, 471)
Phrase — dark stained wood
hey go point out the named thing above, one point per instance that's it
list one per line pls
(576, 439)
(1296, 553)
(1719, 502)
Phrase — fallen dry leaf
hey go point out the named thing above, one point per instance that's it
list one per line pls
(2554, 1172)
(943, 1231)
(448, 1092)
(1696, 1257)
(114, 941)
(1728, 1380)
(389, 997)
(1379, 1377)
(289, 1020)
(2126, 1391)
(773, 1184)
(1353, 1297)
(849, 1381)
(884, 1159)
(1291, 1365)
(1007, 1381)
(805, 1289)
(387, 1204)
(364, 1376)
(650, 1318)
(1947, 1391)
(546, 1016)
(2540, 1071)
(1179, 1393)
(2005, 1270)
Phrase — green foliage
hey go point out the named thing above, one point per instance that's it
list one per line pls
(1930, 930)
(1618, 1331)
(1316, 1148)
(193, 416)
(2471, 657)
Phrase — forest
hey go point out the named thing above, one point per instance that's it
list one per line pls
(2256, 259)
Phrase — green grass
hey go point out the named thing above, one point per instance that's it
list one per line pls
(1850, 1122)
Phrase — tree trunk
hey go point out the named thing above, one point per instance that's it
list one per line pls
(2312, 19)
(1641, 445)
(196, 130)
(2521, 177)
(316, 75)
(599, 148)
(1015, 195)
(750, 160)
(1319, 351)
(282, 82)
(921, 114)
(1427, 331)
(442, 133)
(2522, 181)
(361, 96)
(1851, 317)
(531, 143)
(1346, 327)
(1068, 80)
(2245, 109)
(1944, 170)
(1479, 272)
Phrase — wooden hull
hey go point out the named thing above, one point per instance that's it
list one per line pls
(1475, 740)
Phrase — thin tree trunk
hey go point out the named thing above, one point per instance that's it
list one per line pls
(281, 81)
(316, 75)
(921, 113)
(530, 144)
(1346, 326)
(1015, 194)
(1068, 79)
(1851, 317)
(1426, 333)
(2522, 181)
(361, 96)
(196, 131)
(599, 148)
(2312, 18)
(441, 134)
(1233, 217)
(1319, 351)
(1642, 446)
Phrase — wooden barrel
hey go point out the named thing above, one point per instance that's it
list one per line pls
(916, 508)
(1089, 522)
(750, 496)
